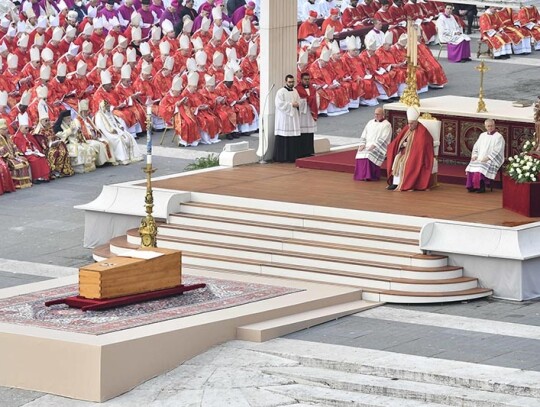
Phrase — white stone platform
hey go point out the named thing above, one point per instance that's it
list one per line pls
(466, 107)
(100, 367)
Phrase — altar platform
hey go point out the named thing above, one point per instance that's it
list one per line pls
(461, 124)
(288, 184)
(344, 161)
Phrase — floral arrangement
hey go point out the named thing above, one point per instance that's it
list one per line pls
(525, 166)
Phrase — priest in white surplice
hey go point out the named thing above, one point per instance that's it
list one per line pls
(287, 124)
(372, 150)
(451, 33)
(486, 158)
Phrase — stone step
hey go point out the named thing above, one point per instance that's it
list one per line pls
(405, 389)
(295, 256)
(323, 264)
(342, 398)
(264, 331)
(260, 241)
(405, 290)
(301, 220)
(292, 232)
(466, 375)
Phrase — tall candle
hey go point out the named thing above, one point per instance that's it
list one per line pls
(149, 135)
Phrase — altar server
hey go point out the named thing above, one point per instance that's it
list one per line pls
(287, 124)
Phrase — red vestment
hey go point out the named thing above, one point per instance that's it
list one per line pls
(242, 47)
(434, 70)
(23, 58)
(71, 63)
(245, 86)
(506, 21)
(387, 18)
(353, 17)
(90, 62)
(206, 119)
(249, 67)
(30, 70)
(6, 182)
(530, 15)
(99, 95)
(162, 83)
(219, 74)
(414, 12)
(146, 89)
(97, 41)
(387, 58)
(226, 114)
(180, 116)
(63, 46)
(57, 53)
(39, 165)
(172, 42)
(416, 174)
(311, 99)
(344, 77)
(372, 64)
(322, 77)
(358, 70)
(115, 75)
(400, 55)
(369, 10)
(133, 112)
(205, 36)
(490, 22)
(309, 29)
(243, 110)
(329, 22)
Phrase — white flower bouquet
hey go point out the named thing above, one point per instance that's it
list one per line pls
(525, 166)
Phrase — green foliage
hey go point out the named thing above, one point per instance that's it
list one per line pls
(211, 160)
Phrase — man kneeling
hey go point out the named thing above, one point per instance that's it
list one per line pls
(486, 159)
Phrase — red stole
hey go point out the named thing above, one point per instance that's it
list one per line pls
(311, 99)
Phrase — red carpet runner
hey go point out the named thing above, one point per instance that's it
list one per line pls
(343, 161)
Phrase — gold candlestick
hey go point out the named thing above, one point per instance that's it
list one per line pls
(148, 228)
(482, 68)
(410, 95)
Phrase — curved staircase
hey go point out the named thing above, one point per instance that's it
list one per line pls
(383, 259)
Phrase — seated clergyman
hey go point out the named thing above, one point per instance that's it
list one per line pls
(486, 158)
(372, 149)
(410, 156)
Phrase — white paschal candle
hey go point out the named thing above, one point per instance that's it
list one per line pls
(149, 137)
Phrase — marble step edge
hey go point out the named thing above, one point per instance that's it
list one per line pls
(242, 209)
(408, 389)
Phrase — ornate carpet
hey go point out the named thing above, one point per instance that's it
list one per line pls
(29, 309)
